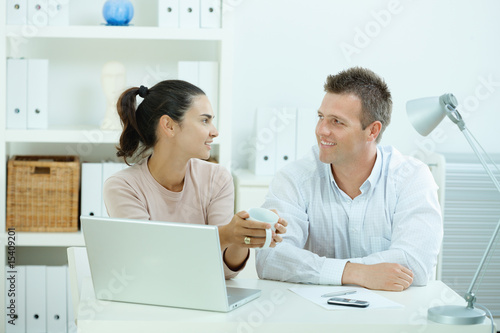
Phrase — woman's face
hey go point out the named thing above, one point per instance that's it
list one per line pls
(197, 131)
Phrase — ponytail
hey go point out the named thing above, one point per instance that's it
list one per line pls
(170, 97)
(131, 136)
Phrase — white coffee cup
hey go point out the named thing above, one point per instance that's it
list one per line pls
(264, 215)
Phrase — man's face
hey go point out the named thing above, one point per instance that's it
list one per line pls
(339, 133)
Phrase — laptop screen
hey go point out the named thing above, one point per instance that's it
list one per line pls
(159, 263)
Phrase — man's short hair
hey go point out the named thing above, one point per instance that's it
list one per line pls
(371, 89)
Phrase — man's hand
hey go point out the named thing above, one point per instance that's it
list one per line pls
(280, 229)
(384, 276)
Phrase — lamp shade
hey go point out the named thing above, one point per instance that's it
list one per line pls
(425, 113)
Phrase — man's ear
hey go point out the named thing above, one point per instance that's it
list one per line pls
(167, 125)
(374, 130)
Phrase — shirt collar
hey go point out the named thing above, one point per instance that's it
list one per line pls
(330, 174)
(375, 174)
(370, 181)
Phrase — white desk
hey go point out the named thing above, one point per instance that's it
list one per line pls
(276, 310)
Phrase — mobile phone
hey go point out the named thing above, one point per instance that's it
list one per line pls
(348, 302)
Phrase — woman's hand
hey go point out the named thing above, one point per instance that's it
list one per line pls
(240, 229)
(241, 234)
(251, 234)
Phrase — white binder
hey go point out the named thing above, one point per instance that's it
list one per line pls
(58, 13)
(208, 81)
(38, 80)
(91, 201)
(16, 323)
(286, 124)
(108, 169)
(38, 12)
(264, 159)
(17, 76)
(210, 11)
(168, 13)
(307, 119)
(17, 12)
(189, 13)
(36, 311)
(56, 299)
(188, 71)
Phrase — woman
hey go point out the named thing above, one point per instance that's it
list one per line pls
(174, 127)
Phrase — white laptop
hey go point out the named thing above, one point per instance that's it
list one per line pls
(159, 263)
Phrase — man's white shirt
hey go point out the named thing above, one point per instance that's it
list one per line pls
(395, 219)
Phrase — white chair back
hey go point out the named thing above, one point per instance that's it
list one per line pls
(437, 165)
(79, 269)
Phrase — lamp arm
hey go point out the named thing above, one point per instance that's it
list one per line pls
(469, 296)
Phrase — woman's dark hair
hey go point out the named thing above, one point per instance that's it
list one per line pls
(171, 97)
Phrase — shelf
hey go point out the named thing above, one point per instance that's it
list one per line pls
(67, 134)
(71, 134)
(52, 239)
(116, 32)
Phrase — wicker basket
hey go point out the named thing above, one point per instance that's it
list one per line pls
(43, 193)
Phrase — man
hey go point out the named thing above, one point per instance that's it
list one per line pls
(357, 213)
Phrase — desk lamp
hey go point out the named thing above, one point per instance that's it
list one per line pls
(425, 114)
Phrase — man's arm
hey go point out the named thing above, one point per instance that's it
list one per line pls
(414, 245)
(417, 232)
(289, 261)
(383, 276)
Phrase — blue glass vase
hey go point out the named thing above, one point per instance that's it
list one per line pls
(118, 12)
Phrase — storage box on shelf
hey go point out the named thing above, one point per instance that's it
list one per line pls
(43, 193)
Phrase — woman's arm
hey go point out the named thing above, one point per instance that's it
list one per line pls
(234, 228)
(123, 201)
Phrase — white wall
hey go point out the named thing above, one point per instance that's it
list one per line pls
(284, 49)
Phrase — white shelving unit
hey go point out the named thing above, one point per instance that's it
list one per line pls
(76, 54)
(76, 135)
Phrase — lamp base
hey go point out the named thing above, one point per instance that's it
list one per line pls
(456, 315)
